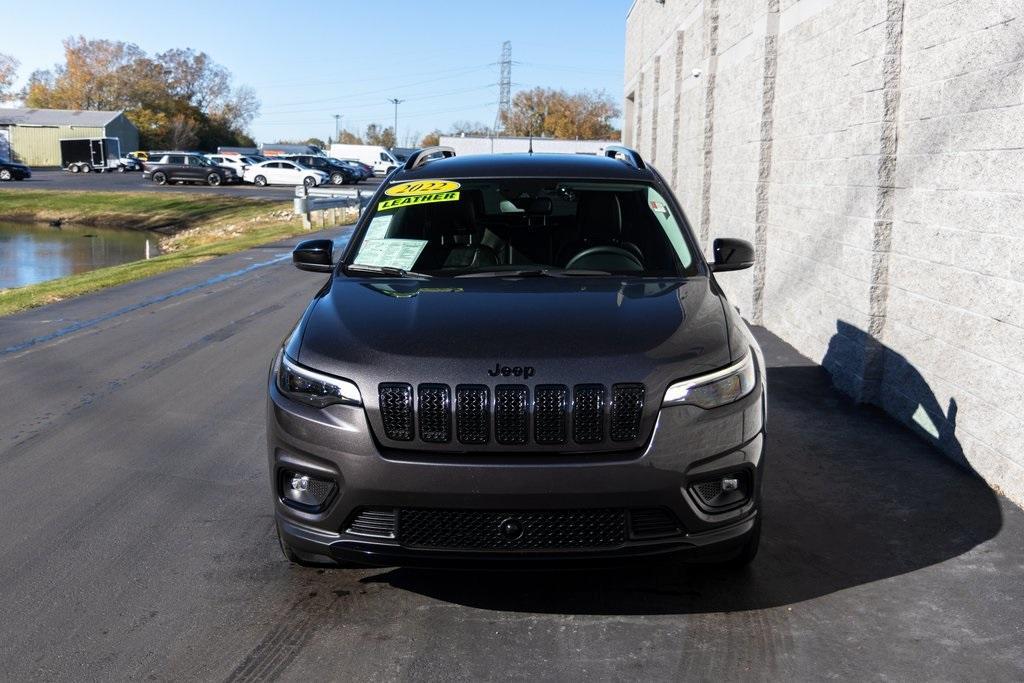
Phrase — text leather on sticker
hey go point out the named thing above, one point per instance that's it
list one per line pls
(417, 199)
(416, 187)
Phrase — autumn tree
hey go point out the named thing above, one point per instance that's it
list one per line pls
(470, 128)
(554, 113)
(375, 135)
(349, 138)
(431, 139)
(173, 97)
(8, 70)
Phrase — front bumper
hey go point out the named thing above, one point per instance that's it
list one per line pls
(687, 445)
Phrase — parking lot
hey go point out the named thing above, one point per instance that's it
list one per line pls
(138, 531)
(133, 182)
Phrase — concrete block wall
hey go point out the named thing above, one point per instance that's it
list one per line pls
(873, 150)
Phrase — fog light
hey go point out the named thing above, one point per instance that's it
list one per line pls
(305, 491)
(723, 492)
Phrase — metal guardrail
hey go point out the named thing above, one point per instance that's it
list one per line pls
(310, 199)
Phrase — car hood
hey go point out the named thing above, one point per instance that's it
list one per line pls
(569, 330)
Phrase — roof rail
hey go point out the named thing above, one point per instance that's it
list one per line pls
(417, 159)
(631, 156)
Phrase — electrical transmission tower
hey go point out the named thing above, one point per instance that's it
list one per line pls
(504, 86)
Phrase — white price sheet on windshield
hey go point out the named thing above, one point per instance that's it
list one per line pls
(390, 253)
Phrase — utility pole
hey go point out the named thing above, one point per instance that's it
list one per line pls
(395, 101)
(504, 86)
(337, 127)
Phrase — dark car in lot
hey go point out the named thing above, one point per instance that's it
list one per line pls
(10, 170)
(519, 359)
(339, 172)
(186, 167)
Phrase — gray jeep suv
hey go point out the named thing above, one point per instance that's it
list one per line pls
(518, 359)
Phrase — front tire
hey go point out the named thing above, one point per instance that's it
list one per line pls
(309, 181)
(160, 178)
(213, 180)
(5, 174)
(260, 181)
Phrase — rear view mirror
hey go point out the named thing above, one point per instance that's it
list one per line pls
(314, 255)
(732, 254)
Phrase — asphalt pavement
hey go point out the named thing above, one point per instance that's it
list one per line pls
(133, 182)
(138, 540)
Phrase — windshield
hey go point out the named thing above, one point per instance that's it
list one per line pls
(524, 226)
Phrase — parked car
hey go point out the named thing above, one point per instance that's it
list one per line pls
(362, 170)
(128, 163)
(519, 359)
(186, 167)
(10, 170)
(283, 172)
(235, 162)
(340, 173)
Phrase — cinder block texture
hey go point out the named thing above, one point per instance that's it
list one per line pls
(873, 150)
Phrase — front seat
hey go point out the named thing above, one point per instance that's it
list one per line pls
(598, 224)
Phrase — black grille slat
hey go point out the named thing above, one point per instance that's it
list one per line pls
(434, 411)
(588, 413)
(396, 410)
(550, 409)
(511, 414)
(541, 529)
(627, 408)
(472, 414)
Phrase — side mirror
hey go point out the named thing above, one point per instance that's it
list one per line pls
(314, 255)
(731, 254)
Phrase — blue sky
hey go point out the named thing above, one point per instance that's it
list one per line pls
(309, 61)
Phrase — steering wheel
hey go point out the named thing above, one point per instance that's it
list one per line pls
(626, 260)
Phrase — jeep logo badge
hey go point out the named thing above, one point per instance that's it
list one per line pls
(524, 371)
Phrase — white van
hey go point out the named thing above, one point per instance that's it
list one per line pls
(382, 161)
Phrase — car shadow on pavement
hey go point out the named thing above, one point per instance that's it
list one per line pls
(850, 497)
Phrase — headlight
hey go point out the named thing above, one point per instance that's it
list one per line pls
(313, 388)
(715, 389)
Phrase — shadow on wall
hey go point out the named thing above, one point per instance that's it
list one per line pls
(850, 497)
(892, 383)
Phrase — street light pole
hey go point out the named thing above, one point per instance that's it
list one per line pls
(395, 101)
(337, 127)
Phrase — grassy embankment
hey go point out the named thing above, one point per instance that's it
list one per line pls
(191, 228)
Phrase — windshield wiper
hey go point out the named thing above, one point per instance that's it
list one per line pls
(533, 272)
(383, 270)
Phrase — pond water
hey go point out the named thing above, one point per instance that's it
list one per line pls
(35, 252)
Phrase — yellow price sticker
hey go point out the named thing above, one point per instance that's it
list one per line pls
(418, 187)
(417, 199)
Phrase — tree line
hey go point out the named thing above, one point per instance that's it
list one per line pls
(178, 99)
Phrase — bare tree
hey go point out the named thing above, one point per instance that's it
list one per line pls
(8, 70)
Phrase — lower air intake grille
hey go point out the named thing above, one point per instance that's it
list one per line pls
(511, 402)
(396, 411)
(652, 523)
(376, 522)
(496, 530)
(588, 413)
(435, 413)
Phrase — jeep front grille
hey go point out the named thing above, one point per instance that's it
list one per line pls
(584, 414)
